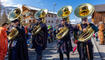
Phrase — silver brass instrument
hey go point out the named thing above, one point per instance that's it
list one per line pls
(64, 13)
(15, 14)
(82, 11)
(40, 14)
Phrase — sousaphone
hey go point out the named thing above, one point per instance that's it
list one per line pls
(41, 14)
(64, 13)
(14, 14)
(83, 11)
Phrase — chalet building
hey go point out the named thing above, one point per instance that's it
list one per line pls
(99, 14)
(28, 15)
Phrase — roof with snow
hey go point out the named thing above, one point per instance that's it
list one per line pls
(30, 7)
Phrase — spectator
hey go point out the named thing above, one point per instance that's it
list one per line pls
(101, 33)
(3, 41)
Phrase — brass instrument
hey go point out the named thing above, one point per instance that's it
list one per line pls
(82, 11)
(36, 29)
(14, 32)
(85, 36)
(64, 13)
(62, 32)
(40, 14)
(15, 14)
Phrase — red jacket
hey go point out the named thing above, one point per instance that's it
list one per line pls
(3, 43)
(26, 29)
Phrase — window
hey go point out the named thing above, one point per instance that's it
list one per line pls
(52, 15)
(24, 15)
(34, 21)
(30, 21)
(49, 15)
(52, 21)
(49, 21)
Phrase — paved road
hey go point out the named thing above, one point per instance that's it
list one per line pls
(101, 49)
(51, 53)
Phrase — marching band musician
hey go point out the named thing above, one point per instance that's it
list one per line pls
(85, 48)
(3, 41)
(40, 33)
(64, 32)
(18, 47)
(85, 31)
(64, 44)
(40, 39)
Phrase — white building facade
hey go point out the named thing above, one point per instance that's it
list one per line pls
(52, 19)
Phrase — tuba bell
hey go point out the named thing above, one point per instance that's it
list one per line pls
(14, 14)
(41, 14)
(64, 13)
(82, 11)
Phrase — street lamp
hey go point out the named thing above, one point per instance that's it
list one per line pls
(54, 7)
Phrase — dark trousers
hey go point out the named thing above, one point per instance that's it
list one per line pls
(39, 54)
(61, 56)
(85, 50)
(12, 54)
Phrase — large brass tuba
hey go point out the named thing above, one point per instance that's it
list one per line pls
(82, 11)
(86, 35)
(14, 32)
(40, 14)
(64, 13)
(15, 14)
